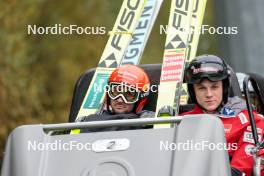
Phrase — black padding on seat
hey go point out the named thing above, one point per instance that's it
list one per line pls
(257, 82)
(234, 89)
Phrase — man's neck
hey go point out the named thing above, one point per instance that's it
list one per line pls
(209, 112)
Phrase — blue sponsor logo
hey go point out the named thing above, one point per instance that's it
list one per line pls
(228, 111)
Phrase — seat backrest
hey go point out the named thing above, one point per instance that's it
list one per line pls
(153, 71)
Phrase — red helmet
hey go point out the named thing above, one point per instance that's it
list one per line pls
(135, 80)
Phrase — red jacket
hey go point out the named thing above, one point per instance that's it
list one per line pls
(238, 132)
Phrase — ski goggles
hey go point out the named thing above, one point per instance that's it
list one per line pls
(211, 70)
(129, 94)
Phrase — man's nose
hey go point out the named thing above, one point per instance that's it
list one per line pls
(209, 93)
(120, 99)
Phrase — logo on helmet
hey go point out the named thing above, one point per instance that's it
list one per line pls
(145, 88)
(204, 69)
(125, 73)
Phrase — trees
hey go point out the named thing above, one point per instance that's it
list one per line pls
(38, 72)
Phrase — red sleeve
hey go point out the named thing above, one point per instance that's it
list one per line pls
(242, 158)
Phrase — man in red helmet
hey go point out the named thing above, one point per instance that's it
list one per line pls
(128, 88)
(126, 95)
(208, 81)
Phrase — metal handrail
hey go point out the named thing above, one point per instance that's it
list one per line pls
(258, 161)
(111, 123)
